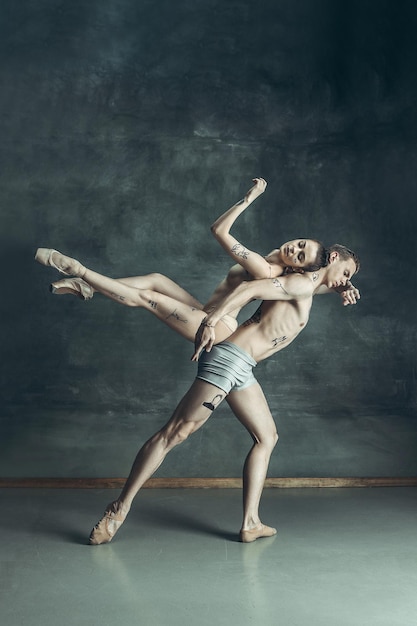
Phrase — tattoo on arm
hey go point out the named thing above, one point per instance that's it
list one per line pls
(277, 283)
(240, 250)
(177, 317)
(278, 340)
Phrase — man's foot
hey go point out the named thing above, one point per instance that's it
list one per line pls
(75, 286)
(64, 264)
(247, 536)
(107, 527)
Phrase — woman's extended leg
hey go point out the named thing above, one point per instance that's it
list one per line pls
(183, 318)
(155, 281)
(251, 408)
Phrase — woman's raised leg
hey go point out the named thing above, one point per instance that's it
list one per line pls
(185, 319)
(155, 281)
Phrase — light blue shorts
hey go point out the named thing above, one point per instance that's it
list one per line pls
(227, 366)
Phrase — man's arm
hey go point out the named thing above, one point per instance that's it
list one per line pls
(251, 261)
(349, 293)
(291, 287)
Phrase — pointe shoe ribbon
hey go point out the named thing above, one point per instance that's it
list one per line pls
(64, 264)
(75, 286)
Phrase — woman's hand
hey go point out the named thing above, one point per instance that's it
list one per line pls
(204, 338)
(257, 190)
(350, 295)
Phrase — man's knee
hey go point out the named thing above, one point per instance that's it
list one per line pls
(174, 436)
(271, 439)
(267, 439)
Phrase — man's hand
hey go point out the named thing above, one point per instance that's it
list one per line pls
(350, 296)
(204, 338)
(255, 191)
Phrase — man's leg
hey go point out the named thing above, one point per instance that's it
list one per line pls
(251, 409)
(191, 413)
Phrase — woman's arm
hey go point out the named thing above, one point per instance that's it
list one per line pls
(251, 261)
(291, 287)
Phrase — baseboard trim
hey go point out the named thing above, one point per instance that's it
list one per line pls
(204, 483)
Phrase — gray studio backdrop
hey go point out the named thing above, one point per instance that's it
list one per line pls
(127, 127)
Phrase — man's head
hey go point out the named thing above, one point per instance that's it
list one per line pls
(303, 254)
(342, 264)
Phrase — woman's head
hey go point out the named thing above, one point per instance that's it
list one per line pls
(306, 254)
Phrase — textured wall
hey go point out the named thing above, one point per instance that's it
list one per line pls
(126, 128)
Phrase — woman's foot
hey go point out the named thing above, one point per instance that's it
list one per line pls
(64, 264)
(75, 286)
(247, 536)
(104, 531)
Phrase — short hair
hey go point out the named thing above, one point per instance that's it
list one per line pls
(345, 254)
(321, 260)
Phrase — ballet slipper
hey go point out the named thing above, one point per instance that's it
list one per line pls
(107, 527)
(247, 536)
(75, 286)
(64, 264)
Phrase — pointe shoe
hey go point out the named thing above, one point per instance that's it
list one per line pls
(107, 527)
(248, 536)
(75, 286)
(64, 264)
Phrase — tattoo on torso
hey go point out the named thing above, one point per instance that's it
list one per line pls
(152, 304)
(240, 250)
(278, 340)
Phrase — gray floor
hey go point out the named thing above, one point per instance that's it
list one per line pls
(342, 557)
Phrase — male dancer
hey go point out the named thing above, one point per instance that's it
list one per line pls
(224, 370)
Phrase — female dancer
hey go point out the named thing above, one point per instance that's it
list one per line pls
(172, 304)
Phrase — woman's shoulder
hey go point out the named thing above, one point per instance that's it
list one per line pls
(274, 260)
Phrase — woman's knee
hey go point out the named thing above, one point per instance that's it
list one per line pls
(147, 298)
(156, 277)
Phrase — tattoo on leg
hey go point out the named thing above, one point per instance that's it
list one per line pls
(152, 304)
(277, 283)
(177, 317)
(240, 250)
(115, 295)
(214, 403)
(278, 340)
